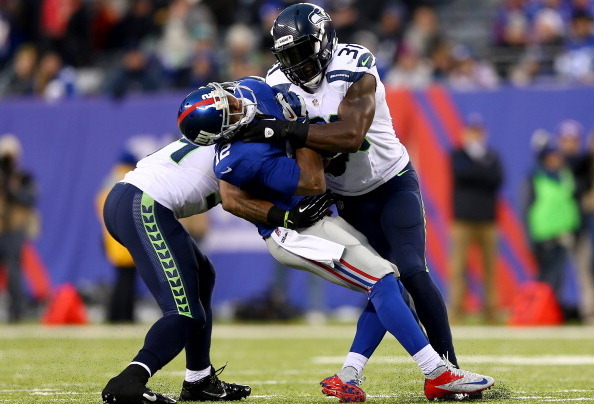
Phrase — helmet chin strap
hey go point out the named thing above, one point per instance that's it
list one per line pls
(314, 82)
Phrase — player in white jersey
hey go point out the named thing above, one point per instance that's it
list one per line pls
(141, 213)
(380, 191)
(330, 247)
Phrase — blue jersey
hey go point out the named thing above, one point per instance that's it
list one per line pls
(265, 170)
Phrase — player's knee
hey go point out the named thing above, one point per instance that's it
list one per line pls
(387, 284)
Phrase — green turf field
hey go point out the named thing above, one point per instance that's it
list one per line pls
(284, 363)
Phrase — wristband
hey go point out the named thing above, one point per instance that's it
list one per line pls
(277, 216)
(297, 133)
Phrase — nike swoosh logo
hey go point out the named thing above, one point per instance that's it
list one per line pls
(402, 172)
(227, 171)
(150, 396)
(484, 381)
(301, 210)
(363, 63)
(215, 395)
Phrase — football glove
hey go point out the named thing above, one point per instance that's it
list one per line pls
(265, 128)
(307, 212)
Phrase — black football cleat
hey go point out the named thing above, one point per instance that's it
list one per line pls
(211, 388)
(126, 388)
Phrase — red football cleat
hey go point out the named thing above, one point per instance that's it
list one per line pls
(348, 392)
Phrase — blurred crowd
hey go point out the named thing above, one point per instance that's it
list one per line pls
(559, 211)
(64, 48)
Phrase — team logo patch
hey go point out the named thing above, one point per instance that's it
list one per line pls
(268, 132)
(318, 16)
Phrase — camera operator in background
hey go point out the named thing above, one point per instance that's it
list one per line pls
(18, 220)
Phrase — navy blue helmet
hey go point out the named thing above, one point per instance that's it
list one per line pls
(204, 116)
(304, 39)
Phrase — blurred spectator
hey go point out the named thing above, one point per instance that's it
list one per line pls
(477, 177)
(410, 71)
(240, 57)
(66, 25)
(53, 80)
(570, 141)
(204, 70)
(345, 17)
(576, 63)
(441, 59)
(423, 31)
(390, 30)
(18, 220)
(469, 72)
(137, 26)
(552, 216)
(186, 26)
(512, 26)
(19, 77)
(511, 35)
(137, 73)
(586, 268)
(122, 300)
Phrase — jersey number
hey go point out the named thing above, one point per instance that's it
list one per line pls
(348, 50)
(183, 151)
(222, 153)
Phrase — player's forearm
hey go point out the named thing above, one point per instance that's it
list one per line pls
(311, 178)
(243, 205)
(339, 137)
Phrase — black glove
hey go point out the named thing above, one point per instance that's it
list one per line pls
(268, 129)
(307, 212)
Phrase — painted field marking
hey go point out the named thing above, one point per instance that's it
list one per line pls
(518, 360)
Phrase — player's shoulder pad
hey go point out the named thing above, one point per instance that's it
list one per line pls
(276, 76)
(257, 78)
(350, 62)
(354, 56)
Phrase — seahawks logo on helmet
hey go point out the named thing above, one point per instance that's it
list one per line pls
(318, 16)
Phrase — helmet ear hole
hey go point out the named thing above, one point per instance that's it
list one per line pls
(204, 116)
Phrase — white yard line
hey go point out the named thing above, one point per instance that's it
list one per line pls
(515, 360)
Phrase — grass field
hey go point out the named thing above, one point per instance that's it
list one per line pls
(284, 363)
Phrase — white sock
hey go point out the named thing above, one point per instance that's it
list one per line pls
(427, 359)
(144, 366)
(195, 375)
(356, 361)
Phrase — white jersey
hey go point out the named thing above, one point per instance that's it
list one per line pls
(180, 177)
(381, 155)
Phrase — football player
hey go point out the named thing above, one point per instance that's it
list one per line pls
(330, 248)
(370, 168)
(141, 213)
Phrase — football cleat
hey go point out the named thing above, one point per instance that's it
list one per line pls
(118, 391)
(348, 392)
(449, 382)
(211, 388)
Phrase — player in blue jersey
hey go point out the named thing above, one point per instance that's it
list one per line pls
(371, 172)
(330, 248)
(142, 213)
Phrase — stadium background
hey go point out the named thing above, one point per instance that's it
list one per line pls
(71, 143)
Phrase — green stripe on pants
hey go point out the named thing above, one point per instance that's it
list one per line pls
(168, 264)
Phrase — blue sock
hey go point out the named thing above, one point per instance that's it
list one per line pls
(432, 312)
(370, 332)
(395, 315)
